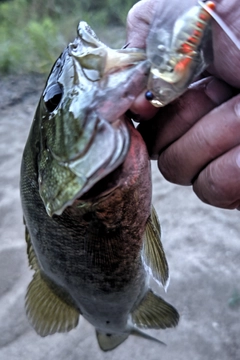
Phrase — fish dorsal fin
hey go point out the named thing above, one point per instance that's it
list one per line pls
(155, 313)
(47, 312)
(32, 259)
(110, 341)
(153, 253)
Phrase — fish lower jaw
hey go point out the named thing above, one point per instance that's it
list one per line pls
(54, 210)
(86, 197)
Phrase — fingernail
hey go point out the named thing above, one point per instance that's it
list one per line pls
(237, 109)
(238, 160)
(125, 46)
(218, 91)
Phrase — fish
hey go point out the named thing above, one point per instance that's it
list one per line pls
(184, 50)
(93, 236)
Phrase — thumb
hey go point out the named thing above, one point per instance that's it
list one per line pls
(138, 22)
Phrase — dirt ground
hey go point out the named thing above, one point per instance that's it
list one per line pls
(202, 244)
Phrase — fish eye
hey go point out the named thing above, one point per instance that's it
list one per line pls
(53, 97)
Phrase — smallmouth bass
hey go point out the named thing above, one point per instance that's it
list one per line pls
(93, 237)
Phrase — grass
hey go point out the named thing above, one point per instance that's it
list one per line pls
(33, 33)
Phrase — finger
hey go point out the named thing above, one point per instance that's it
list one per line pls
(174, 120)
(138, 22)
(226, 54)
(219, 183)
(215, 134)
(143, 109)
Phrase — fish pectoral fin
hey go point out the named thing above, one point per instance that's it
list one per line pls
(32, 259)
(153, 253)
(110, 341)
(154, 313)
(47, 312)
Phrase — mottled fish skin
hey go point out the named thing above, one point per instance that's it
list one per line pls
(87, 251)
(90, 249)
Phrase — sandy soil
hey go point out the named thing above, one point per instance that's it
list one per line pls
(202, 245)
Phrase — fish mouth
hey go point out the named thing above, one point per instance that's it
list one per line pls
(87, 176)
(80, 140)
(104, 187)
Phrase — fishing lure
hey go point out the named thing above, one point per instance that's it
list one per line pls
(180, 56)
(221, 23)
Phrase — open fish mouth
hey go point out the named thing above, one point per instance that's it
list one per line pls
(83, 134)
(61, 183)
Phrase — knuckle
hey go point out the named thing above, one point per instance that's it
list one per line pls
(169, 167)
(164, 167)
(234, 112)
(132, 18)
(211, 186)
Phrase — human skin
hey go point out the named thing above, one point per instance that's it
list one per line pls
(196, 139)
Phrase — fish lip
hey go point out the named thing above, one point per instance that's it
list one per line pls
(113, 176)
(65, 162)
(56, 206)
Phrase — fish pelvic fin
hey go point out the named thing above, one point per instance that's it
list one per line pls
(154, 313)
(153, 254)
(109, 341)
(47, 309)
(47, 312)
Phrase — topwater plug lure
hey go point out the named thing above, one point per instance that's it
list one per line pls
(180, 56)
(183, 52)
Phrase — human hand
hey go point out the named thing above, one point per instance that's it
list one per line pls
(196, 139)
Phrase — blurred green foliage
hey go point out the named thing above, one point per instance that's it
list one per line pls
(34, 32)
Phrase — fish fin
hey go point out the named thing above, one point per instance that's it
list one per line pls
(155, 313)
(108, 342)
(47, 312)
(32, 259)
(142, 334)
(153, 253)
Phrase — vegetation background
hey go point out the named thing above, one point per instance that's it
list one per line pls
(34, 32)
